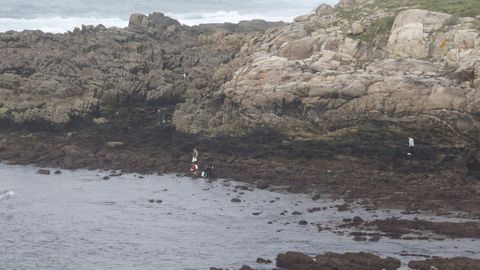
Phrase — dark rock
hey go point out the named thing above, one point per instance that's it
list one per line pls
(58, 172)
(236, 200)
(246, 267)
(158, 201)
(375, 239)
(331, 261)
(106, 177)
(295, 261)
(151, 201)
(262, 260)
(296, 213)
(357, 220)
(303, 222)
(43, 171)
(314, 209)
(262, 184)
(343, 207)
(359, 238)
(459, 263)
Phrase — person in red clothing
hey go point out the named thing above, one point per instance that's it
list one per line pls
(194, 169)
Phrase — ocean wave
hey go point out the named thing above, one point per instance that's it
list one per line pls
(6, 194)
(195, 18)
(56, 24)
(64, 24)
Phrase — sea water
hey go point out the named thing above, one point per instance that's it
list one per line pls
(78, 220)
(60, 15)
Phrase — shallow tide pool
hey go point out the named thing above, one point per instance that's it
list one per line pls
(77, 220)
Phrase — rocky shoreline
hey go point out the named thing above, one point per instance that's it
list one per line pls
(365, 261)
(323, 105)
(267, 159)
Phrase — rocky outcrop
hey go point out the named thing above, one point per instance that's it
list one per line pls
(445, 264)
(329, 75)
(87, 73)
(413, 32)
(241, 27)
(331, 261)
(313, 80)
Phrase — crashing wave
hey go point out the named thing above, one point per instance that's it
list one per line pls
(56, 24)
(6, 194)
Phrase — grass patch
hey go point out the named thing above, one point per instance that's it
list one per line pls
(378, 32)
(457, 8)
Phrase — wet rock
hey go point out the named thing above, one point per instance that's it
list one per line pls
(459, 263)
(347, 261)
(158, 201)
(295, 261)
(264, 261)
(375, 239)
(43, 171)
(151, 201)
(256, 213)
(343, 207)
(314, 209)
(303, 222)
(214, 268)
(246, 267)
(58, 172)
(106, 178)
(357, 220)
(236, 200)
(347, 220)
(398, 227)
(359, 239)
(296, 213)
(262, 185)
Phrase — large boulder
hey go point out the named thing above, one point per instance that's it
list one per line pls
(412, 32)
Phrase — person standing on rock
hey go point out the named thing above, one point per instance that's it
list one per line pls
(195, 155)
(411, 147)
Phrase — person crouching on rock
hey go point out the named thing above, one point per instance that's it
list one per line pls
(207, 171)
(194, 169)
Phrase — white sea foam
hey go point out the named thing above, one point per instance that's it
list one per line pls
(56, 24)
(63, 24)
(6, 194)
(195, 18)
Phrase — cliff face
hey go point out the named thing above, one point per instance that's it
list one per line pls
(365, 66)
(332, 73)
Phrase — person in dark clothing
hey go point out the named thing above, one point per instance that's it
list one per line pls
(207, 172)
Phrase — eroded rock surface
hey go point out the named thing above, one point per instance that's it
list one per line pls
(312, 79)
(59, 78)
(353, 70)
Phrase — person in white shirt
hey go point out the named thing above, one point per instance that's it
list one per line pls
(194, 155)
(411, 147)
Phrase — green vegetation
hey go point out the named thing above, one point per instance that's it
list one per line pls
(458, 8)
(378, 32)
